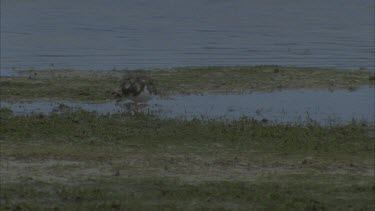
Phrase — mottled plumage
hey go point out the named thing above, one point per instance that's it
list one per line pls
(137, 88)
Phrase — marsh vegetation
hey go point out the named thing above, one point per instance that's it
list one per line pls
(75, 159)
(98, 85)
(82, 160)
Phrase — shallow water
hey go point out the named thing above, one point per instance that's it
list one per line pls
(100, 34)
(283, 106)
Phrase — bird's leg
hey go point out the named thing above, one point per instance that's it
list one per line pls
(137, 106)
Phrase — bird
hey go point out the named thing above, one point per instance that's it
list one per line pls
(137, 88)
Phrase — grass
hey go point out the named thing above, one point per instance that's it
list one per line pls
(296, 192)
(84, 161)
(98, 86)
(81, 160)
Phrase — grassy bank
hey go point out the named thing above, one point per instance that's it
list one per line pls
(97, 86)
(81, 160)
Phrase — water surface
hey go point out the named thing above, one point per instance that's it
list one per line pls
(118, 34)
(284, 106)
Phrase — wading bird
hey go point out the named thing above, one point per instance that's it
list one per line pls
(138, 89)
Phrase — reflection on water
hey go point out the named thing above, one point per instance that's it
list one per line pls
(283, 106)
(97, 34)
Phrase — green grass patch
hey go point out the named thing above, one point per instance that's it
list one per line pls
(98, 86)
(150, 133)
(291, 192)
(85, 161)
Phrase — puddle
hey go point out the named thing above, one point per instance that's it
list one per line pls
(283, 106)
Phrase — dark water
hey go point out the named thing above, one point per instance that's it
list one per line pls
(284, 106)
(107, 34)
